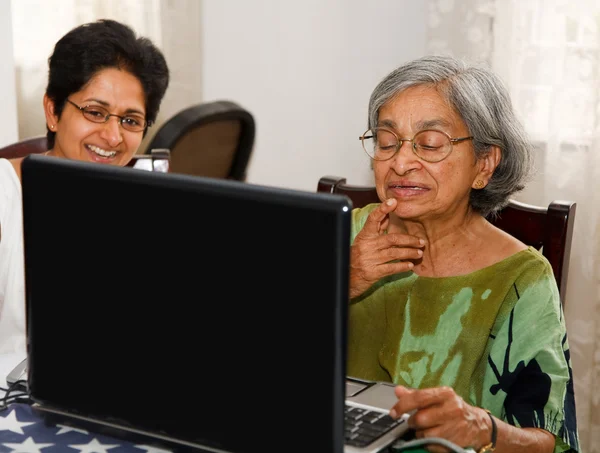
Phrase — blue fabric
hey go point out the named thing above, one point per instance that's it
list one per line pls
(25, 429)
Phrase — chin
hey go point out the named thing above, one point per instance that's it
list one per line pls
(409, 212)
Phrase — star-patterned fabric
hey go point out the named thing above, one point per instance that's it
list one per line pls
(23, 429)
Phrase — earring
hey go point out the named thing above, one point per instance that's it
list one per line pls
(479, 184)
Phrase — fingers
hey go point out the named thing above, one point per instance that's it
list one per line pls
(402, 240)
(439, 412)
(377, 221)
(395, 246)
(375, 255)
(370, 261)
(415, 399)
(362, 279)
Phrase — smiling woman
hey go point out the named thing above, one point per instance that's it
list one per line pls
(89, 132)
(105, 87)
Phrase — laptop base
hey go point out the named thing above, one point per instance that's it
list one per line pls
(160, 442)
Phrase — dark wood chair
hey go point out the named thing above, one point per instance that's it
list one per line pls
(213, 139)
(549, 229)
(157, 161)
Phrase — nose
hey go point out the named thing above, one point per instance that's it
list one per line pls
(111, 132)
(405, 160)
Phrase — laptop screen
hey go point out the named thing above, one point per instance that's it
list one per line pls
(209, 310)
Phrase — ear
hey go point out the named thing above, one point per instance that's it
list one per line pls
(487, 166)
(49, 112)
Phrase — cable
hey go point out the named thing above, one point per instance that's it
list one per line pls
(15, 394)
(401, 445)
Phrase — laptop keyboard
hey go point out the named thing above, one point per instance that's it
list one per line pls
(362, 426)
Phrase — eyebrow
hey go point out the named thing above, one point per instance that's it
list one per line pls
(420, 125)
(106, 104)
(387, 123)
(433, 123)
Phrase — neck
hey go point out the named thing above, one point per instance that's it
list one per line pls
(448, 243)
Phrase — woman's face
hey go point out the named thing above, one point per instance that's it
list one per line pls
(425, 190)
(77, 138)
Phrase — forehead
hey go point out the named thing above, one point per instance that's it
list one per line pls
(115, 88)
(419, 107)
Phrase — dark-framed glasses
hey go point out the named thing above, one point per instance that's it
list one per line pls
(430, 145)
(98, 114)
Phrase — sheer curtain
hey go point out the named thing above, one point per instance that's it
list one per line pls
(34, 36)
(548, 53)
(173, 25)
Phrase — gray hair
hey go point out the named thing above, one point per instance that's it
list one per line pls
(482, 101)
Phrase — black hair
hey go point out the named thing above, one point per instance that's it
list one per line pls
(95, 46)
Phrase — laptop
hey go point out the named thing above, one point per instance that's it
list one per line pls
(210, 313)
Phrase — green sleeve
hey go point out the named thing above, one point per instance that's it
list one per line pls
(528, 380)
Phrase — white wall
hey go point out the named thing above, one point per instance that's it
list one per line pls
(305, 70)
(8, 102)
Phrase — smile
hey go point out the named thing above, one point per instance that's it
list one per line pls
(407, 187)
(101, 152)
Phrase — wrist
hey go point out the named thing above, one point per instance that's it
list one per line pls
(490, 445)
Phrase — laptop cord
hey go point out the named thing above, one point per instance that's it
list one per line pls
(401, 445)
(14, 394)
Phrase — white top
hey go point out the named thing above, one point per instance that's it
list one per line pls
(12, 266)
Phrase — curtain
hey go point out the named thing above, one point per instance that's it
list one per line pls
(34, 36)
(548, 53)
(173, 25)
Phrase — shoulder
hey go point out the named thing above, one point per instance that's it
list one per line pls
(10, 170)
(10, 186)
(531, 260)
(530, 277)
(535, 271)
(532, 301)
(522, 284)
(16, 164)
(10, 194)
(363, 213)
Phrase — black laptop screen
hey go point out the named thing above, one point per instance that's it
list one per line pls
(209, 310)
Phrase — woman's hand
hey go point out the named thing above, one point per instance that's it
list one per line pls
(440, 412)
(375, 254)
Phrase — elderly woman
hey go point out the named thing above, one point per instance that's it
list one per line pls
(465, 318)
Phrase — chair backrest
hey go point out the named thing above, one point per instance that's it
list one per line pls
(549, 229)
(155, 161)
(213, 139)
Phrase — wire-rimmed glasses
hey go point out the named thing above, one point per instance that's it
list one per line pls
(430, 145)
(98, 114)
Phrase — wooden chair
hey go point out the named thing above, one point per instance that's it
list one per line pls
(549, 229)
(213, 139)
(157, 161)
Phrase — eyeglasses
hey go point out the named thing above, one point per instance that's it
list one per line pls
(430, 145)
(98, 114)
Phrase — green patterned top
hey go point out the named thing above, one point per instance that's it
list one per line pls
(496, 335)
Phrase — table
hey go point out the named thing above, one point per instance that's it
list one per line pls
(22, 428)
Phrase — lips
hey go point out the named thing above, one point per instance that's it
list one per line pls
(101, 153)
(406, 189)
(403, 185)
